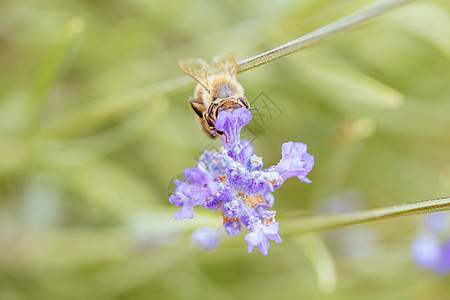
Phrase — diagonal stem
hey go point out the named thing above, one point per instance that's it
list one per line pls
(353, 20)
(322, 222)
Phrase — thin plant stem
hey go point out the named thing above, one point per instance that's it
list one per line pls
(321, 222)
(303, 42)
(351, 21)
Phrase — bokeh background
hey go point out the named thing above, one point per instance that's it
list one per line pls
(95, 125)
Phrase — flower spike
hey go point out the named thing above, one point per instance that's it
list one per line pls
(233, 182)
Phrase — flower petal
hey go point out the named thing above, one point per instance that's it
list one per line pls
(233, 228)
(231, 124)
(295, 161)
(185, 213)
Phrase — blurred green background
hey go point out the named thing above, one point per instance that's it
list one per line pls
(95, 124)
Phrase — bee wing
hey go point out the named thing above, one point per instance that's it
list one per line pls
(196, 68)
(225, 62)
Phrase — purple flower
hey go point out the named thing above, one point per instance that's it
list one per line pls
(232, 182)
(269, 199)
(233, 228)
(295, 161)
(233, 208)
(206, 238)
(231, 123)
(432, 249)
(247, 148)
(250, 218)
(260, 236)
(188, 195)
(255, 163)
(444, 262)
(426, 251)
(437, 222)
(201, 176)
(264, 214)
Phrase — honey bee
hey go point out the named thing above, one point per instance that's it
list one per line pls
(217, 88)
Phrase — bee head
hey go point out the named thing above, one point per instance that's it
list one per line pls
(215, 107)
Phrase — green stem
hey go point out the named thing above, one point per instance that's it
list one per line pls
(322, 222)
(353, 20)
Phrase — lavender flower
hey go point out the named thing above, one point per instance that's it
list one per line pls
(261, 235)
(295, 162)
(426, 251)
(444, 262)
(233, 182)
(206, 238)
(432, 249)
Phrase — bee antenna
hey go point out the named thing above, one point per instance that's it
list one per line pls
(253, 108)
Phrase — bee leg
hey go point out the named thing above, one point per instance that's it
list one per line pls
(198, 107)
(209, 126)
(245, 103)
(223, 133)
(210, 123)
(210, 108)
(210, 133)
